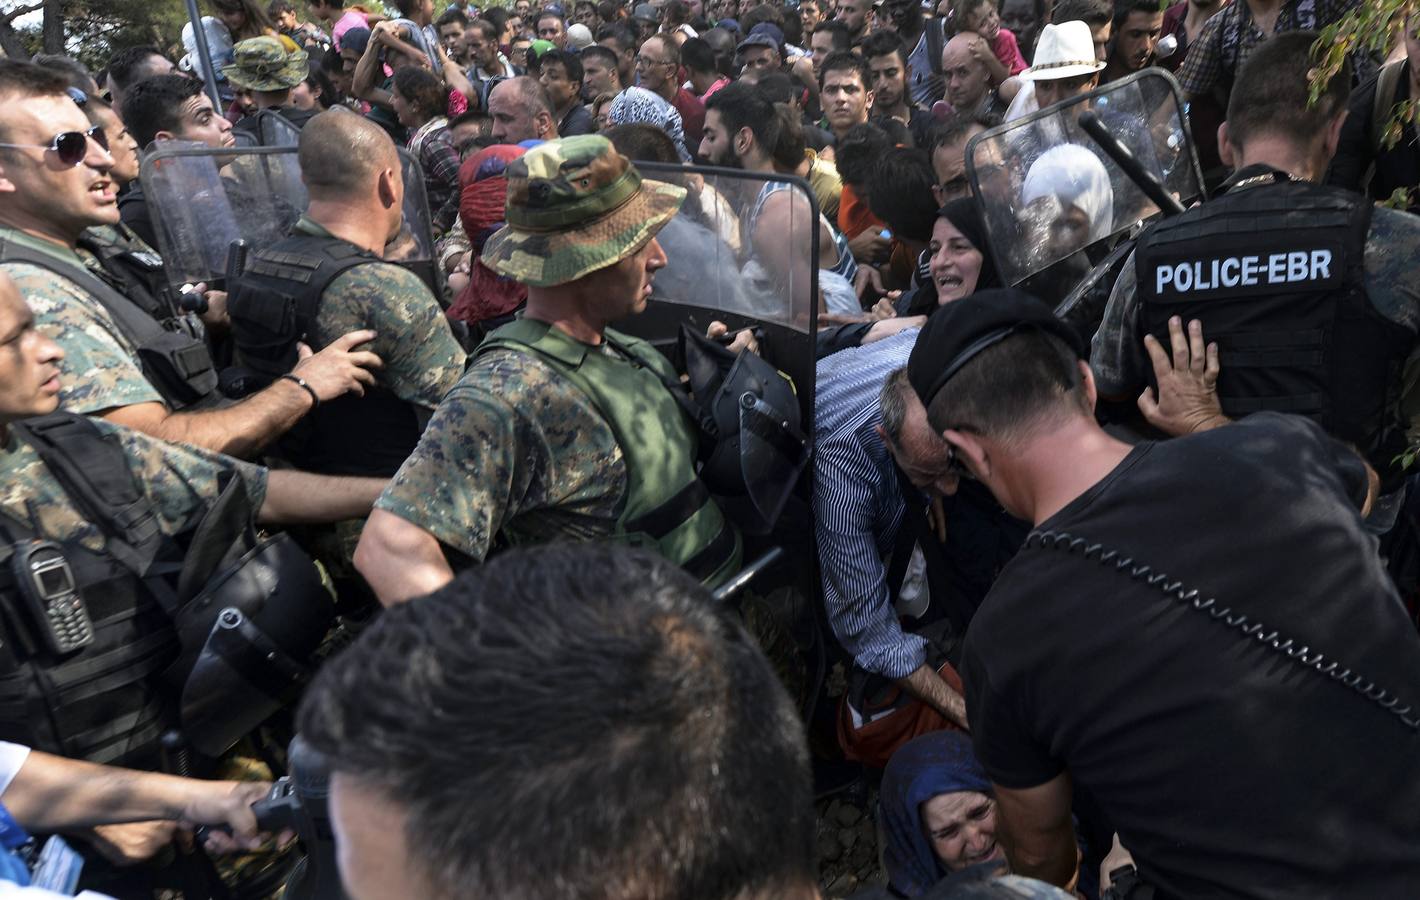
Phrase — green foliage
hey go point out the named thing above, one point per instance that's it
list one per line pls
(1373, 25)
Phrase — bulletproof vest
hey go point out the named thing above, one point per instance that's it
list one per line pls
(136, 274)
(103, 702)
(274, 305)
(667, 507)
(1276, 275)
(177, 365)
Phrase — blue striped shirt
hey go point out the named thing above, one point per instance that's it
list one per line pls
(858, 506)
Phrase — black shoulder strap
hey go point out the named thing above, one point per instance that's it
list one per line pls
(93, 470)
(136, 325)
(936, 40)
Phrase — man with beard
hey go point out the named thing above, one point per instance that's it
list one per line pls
(887, 58)
(1137, 26)
(857, 15)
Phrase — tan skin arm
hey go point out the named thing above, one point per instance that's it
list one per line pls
(931, 688)
(244, 428)
(1037, 830)
(368, 71)
(304, 497)
(399, 559)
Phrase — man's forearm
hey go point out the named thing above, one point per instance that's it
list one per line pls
(308, 498)
(242, 429)
(51, 793)
(929, 687)
(1052, 858)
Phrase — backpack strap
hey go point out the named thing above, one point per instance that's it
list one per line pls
(93, 470)
(936, 40)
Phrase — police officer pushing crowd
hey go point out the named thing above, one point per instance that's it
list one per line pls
(1081, 582)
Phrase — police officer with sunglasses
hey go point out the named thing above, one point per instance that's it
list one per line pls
(56, 182)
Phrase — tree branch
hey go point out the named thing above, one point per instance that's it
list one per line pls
(13, 14)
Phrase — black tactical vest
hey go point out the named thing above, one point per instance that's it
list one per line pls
(274, 305)
(177, 365)
(1275, 273)
(104, 702)
(273, 127)
(136, 274)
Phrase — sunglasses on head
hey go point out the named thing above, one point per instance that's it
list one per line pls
(70, 146)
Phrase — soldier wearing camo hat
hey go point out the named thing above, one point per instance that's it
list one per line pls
(269, 70)
(562, 428)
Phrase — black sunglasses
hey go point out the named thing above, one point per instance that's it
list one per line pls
(70, 146)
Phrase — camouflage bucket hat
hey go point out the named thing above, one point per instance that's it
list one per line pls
(263, 64)
(575, 205)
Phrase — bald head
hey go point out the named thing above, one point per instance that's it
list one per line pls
(521, 111)
(343, 154)
(968, 79)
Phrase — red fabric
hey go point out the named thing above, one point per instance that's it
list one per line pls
(692, 117)
(1008, 52)
(854, 217)
(874, 743)
(482, 205)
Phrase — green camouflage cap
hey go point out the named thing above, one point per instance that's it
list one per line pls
(575, 205)
(264, 64)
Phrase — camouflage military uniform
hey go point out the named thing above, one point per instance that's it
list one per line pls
(100, 367)
(511, 441)
(180, 482)
(422, 360)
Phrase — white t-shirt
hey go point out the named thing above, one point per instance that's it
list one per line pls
(12, 757)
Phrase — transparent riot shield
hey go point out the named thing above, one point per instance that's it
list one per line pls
(1051, 198)
(742, 251)
(204, 200)
(272, 130)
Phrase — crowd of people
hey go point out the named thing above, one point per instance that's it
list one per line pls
(1084, 464)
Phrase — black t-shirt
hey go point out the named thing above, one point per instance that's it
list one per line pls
(1227, 768)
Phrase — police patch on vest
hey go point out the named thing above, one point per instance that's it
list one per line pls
(1243, 274)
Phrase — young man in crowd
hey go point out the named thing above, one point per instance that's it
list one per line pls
(828, 37)
(621, 40)
(857, 16)
(599, 72)
(550, 26)
(887, 59)
(452, 27)
(921, 39)
(561, 77)
(846, 91)
(1136, 30)
(128, 67)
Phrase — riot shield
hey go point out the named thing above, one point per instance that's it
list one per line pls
(1050, 195)
(741, 251)
(203, 200)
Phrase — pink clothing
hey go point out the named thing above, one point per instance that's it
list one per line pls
(1008, 52)
(352, 19)
(710, 91)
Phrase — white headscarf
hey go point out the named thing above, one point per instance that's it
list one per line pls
(638, 106)
(1073, 176)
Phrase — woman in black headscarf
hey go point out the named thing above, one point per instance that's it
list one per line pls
(956, 264)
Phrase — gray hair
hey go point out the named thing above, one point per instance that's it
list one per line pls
(892, 400)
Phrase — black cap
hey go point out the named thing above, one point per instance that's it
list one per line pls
(956, 332)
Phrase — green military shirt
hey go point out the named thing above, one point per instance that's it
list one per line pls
(512, 446)
(180, 482)
(422, 360)
(101, 370)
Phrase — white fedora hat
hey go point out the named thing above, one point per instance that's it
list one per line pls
(1063, 51)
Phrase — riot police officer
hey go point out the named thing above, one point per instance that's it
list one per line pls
(264, 66)
(327, 278)
(562, 426)
(1307, 290)
(95, 521)
(124, 365)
